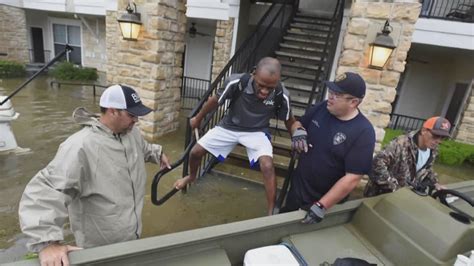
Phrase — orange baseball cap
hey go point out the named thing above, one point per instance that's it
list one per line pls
(438, 125)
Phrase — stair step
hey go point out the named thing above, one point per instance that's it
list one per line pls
(299, 65)
(299, 99)
(303, 40)
(308, 34)
(295, 55)
(311, 21)
(295, 86)
(307, 26)
(301, 47)
(297, 75)
(310, 30)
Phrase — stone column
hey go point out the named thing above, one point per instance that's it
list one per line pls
(13, 34)
(465, 131)
(222, 45)
(366, 19)
(152, 64)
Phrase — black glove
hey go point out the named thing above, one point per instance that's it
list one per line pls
(315, 214)
(298, 140)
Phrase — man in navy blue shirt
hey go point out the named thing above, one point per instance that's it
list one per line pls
(340, 145)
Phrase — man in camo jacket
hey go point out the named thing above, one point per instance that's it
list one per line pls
(408, 159)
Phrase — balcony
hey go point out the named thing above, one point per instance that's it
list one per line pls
(455, 10)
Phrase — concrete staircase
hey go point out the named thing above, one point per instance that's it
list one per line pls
(301, 55)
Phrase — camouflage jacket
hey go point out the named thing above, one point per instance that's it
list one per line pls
(396, 163)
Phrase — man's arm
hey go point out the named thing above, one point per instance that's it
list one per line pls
(340, 190)
(381, 163)
(210, 105)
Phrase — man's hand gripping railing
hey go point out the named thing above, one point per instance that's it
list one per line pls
(154, 186)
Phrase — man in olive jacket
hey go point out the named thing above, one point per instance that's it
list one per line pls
(408, 159)
(97, 179)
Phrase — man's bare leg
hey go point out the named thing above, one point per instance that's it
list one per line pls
(195, 156)
(269, 180)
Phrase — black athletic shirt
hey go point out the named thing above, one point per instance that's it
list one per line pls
(338, 147)
(248, 113)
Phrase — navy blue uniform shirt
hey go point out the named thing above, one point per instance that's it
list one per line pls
(339, 147)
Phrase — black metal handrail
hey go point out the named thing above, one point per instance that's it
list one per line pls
(192, 91)
(327, 58)
(243, 60)
(459, 10)
(94, 86)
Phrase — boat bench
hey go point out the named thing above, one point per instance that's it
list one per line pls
(209, 257)
(328, 244)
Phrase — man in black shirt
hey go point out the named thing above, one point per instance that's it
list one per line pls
(341, 142)
(253, 103)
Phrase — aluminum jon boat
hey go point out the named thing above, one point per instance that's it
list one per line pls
(400, 228)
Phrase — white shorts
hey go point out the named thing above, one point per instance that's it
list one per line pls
(220, 142)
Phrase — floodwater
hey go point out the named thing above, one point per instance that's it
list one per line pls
(45, 122)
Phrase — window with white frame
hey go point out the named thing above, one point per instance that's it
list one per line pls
(68, 34)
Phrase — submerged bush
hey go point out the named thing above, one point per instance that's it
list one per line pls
(68, 71)
(450, 151)
(9, 69)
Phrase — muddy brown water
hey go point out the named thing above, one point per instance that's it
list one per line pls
(45, 121)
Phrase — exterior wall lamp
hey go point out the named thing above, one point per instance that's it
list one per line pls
(381, 48)
(130, 23)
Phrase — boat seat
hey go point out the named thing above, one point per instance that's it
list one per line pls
(209, 257)
(328, 244)
(412, 230)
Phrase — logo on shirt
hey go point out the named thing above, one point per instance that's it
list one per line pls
(339, 138)
(315, 122)
(269, 102)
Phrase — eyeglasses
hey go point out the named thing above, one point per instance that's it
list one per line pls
(435, 136)
(132, 116)
(337, 95)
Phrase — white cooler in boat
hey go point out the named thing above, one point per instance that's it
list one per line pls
(270, 255)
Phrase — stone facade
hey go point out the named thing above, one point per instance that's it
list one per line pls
(152, 64)
(94, 44)
(13, 34)
(366, 19)
(465, 131)
(222, 45)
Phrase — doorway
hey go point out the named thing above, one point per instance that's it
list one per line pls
(456, 105)
(37, 43)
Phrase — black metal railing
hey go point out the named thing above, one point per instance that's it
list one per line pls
(327, 58)
(39, 56)
(404, 122)
(94, 86)
(460, 10)
(271, 26)
(192, 91)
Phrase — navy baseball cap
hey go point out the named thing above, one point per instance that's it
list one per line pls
(124, 98)
(350, 83)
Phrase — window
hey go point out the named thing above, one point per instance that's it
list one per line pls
(67, 34)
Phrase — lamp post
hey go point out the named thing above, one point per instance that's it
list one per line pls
(381, 48)
(130, 23)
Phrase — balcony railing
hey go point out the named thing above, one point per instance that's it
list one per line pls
(404, 122)
(458, 10)
(192, 91)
